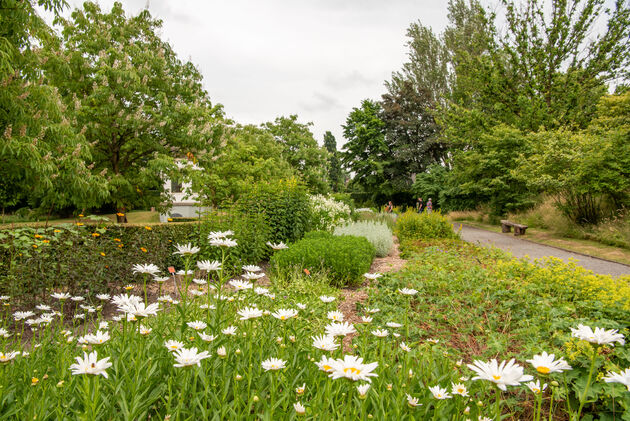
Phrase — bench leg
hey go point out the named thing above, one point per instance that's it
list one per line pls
(506, 228)
(518, 231)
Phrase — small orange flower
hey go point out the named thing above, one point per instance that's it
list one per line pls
(96, 234)
(102, 254)
(143, 249)
(38, 236)
(120, 214)
(118, 240)
(45, 241)
(34, 246)
(34, 381)
(148, 228)
(79, 223)
(80, 215)
(57, 230)
(120, 245)
(169, 219)
(307, 271)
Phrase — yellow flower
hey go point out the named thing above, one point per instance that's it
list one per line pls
(46, 241)
(57, 231)
(34, 381)
(143, 249)
(169, 219)
(96, 234)
(118, 240)
(120, 214)
(34, 246)
(120, 245)
(102, 254)
(79, 223)
(38, 236)
(148, 228)
(80, 215)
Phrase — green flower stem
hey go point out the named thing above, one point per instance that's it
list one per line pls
(588, 383)
(497, 404)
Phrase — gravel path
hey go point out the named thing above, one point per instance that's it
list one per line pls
(521, 248)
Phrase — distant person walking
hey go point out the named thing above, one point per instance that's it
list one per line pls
(429, 206)
(419, 205)
(389, 208)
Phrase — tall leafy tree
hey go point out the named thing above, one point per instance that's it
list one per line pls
(251, 155)
(365, 152)
(335, 173)
(43, 161)
(301, 150)
(134, 100)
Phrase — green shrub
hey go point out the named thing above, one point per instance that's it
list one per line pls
(377, 233)
(344, 259)
(285, 205)
(423, 226)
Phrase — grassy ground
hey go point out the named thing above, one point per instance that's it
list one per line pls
(537, 235)
(134, 217)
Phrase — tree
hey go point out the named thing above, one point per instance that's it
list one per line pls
(137, 104)
(365, 153)
(301, 150)
(43, 161)
(251, 155)
(587, 172)
(335, 173)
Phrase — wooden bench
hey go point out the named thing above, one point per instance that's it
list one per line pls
(506, 226)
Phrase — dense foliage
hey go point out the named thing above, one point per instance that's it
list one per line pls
(377, 233)
(476, 104)
(342, 259)
(423, 226)
(286, 207)
(480, 303)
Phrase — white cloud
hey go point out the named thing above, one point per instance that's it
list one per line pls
(317, 59)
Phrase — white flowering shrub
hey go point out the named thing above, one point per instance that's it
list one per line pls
(377, 233)
(327, 213)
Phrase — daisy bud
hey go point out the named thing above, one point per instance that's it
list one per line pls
(390, 386)
(239, 377)
(256, 399)
(555, 383)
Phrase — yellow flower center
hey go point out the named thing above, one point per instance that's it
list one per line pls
(496, 377)
(273, 366)
(282, 317)
(327, 367)
(460, 390)
(352, 370)
(543, 370)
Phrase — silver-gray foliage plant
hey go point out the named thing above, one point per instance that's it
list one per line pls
(377, 233)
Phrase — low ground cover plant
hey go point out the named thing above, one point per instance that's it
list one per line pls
(343, 258)
(378, 234)
(423, 226)
(479, 303)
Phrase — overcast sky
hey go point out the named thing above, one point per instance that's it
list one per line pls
(315, 58)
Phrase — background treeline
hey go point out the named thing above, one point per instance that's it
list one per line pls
(504, 110)
(93, 116)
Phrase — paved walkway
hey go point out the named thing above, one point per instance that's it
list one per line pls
(521, 248)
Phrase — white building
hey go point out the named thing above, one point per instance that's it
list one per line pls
(183, 200)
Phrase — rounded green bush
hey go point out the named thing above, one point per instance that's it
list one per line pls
(423, 226)
(343, 258)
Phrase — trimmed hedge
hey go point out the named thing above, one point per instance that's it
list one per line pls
(343, 258)
(96, 258)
